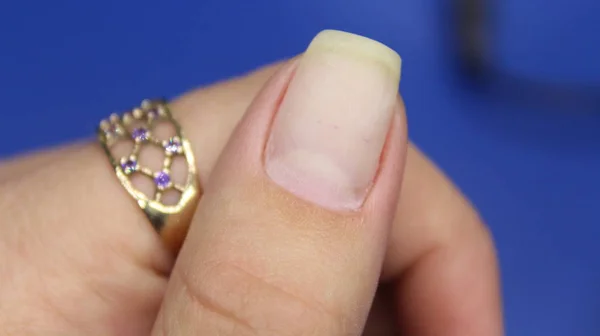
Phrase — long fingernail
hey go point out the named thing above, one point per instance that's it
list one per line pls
(328, 135)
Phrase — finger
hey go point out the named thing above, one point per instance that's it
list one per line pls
(441, 259)
(293, 245)
(70, 218)
(25, 163)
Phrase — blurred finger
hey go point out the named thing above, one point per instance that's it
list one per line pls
(25, 163)
(441, 259)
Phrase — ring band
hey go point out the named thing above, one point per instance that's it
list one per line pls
(172, 220)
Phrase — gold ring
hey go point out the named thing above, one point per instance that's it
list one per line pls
(172, 220)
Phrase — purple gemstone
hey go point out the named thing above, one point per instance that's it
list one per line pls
(140, 134)
(173, 146)
(129, 166)
(162, 180)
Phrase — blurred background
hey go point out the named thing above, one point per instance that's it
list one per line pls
(503, 95)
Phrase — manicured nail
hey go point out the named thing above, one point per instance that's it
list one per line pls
(328, 135)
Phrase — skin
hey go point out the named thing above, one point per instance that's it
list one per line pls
(77, 257)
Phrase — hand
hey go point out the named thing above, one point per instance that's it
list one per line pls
(280, 244)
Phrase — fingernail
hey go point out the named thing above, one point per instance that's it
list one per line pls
(328, 135)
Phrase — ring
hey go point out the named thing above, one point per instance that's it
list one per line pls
(171, 220)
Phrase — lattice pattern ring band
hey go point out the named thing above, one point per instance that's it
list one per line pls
(136, 127)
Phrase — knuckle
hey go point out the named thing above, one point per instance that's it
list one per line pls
(241, 303)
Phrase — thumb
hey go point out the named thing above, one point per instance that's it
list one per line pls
(291, 232)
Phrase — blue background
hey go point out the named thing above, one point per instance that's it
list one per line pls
(533, 172)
